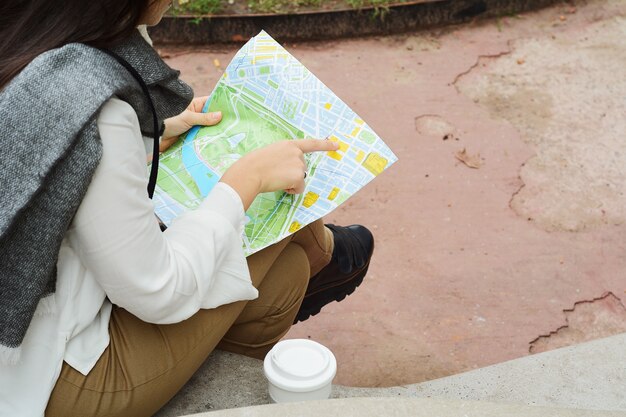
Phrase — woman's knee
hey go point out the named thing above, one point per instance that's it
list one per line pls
(317, 242)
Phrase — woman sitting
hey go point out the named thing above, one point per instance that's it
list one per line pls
(102, 314)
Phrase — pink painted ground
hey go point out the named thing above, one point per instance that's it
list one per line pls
(459, 279)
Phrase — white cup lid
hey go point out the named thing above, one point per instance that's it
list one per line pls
(300, 365)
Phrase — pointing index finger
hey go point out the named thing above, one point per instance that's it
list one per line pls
(316, 145)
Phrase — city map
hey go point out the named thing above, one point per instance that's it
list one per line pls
(266, 95)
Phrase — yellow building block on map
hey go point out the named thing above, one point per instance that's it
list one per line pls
(359, 121)
(343, 147)
(294, 227)
(335, 155)
(359, 156)
(375, 163)
(328, 106)
(333, 193)
(355, 131)
(266, 48)
(309, 199)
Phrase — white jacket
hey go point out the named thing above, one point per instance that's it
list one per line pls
(115, 253)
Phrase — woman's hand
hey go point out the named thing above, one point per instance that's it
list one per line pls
(192, 116)
(279, 166)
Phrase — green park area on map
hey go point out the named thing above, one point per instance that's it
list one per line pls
(245, 126)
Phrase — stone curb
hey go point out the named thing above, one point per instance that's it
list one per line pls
(396, 19)
(403, 407)
(587, 376)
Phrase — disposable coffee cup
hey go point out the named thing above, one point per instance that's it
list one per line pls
(299, 370)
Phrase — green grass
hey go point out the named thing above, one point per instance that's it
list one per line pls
(357, 4)
(202, 7)
(281, 6)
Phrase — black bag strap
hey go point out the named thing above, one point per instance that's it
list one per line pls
(154, 170)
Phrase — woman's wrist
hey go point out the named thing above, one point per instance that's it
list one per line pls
(244, 182)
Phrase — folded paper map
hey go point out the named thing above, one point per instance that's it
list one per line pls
(266, 95)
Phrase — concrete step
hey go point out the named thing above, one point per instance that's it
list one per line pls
(400, 407)
(588, 376)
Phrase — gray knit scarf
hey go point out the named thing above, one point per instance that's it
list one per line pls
(50, 148)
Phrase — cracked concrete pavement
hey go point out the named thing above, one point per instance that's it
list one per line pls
(586, 320)
(473, 265)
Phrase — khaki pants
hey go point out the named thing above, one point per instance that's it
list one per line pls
(145, 364)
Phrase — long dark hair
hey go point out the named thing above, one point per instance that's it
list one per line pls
(31, 27)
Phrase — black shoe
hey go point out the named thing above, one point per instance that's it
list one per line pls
(353, 250)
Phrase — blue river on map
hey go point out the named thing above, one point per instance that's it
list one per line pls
(202, 175)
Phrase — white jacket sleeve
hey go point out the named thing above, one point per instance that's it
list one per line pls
(159, 277)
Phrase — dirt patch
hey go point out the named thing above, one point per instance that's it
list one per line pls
(561, 94)
(433, 125)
